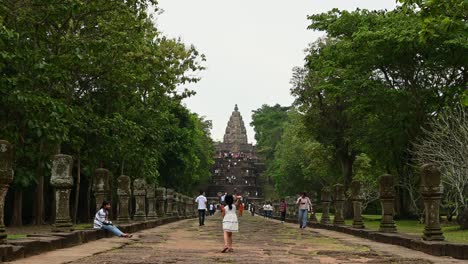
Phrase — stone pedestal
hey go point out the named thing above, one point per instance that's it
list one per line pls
(139, 192)
(178, 199)
(180, 202)
(170, 202)
(124, 192)
(431, 193)
(6, 177)
(387, 200)
(326, 201)
(151, 199)
(160, 201)
(313, 200)
(100, 186)
(291, 208)
(187, 208)
(357, 198)
(339, 199)
(62, 181)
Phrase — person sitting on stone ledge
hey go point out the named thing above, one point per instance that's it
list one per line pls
(101, 221)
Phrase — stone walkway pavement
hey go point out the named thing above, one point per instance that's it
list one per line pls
(259, 241)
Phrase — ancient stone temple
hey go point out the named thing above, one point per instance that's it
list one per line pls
(237, 167)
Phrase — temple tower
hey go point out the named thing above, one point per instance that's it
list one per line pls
(235, 130)
(237, 166)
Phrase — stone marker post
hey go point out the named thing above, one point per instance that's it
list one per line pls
(151, 198)
(124, 192)
(139, 191)
(326, 201)
(313, 200)
(169, 202)
(357, 198)
(338, 200)
(160, 201)
(292, 208)
(62, 181)
(6, 177)
(179, 204)
(182, 205)
(175, 204)
(188, 211)
(387, 200)
(100, 186)
(431, 193)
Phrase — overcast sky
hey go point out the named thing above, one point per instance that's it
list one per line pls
(251, 47)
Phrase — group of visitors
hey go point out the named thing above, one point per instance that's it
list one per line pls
(230, 221)
(267, 210)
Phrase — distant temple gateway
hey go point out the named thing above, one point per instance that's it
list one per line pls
(237, 167)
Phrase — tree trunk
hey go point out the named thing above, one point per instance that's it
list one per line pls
(88, 201)
(77, 190)
(17, 216)
(347, 162)
(39, 210)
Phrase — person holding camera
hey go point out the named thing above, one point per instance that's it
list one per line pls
(101, 221)
(305, 205)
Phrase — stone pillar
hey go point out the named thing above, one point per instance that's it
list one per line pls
(387, 200)
(169, 202)
(313, 200)
(179, 204)
(6, 177)
(100, 186)
(151, 198)
(188, 206)
(338, 200)
(357, 198)
(160, 201)
(62, 181)
(431, 193)
(187, 210)
(139, 192)
(292, 208)
(175, 204)
(124, 192)
(326, 201)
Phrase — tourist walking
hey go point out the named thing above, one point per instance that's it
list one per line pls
(304, 205)
(212, 209)
(270, 210)
(230, 223)
(265, 210)
(202, 202)
(252, 209)
(241, 208)
(101, 221)
(282, 210)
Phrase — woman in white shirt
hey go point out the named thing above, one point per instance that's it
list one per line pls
(230, 223)
(101, 221)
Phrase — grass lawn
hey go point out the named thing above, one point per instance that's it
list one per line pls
(16, 236)
(83, 226)
(452, 233)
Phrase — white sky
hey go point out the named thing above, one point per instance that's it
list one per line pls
(251, 47)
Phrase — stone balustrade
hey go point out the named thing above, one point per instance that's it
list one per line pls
(124, 193)
(139, 192)
(357, 198)
(6, 177)
(62, 181)
(387, 200)
(151, 201)
(101, 186)
(431, 192)
(326, 200)
(338, 202)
